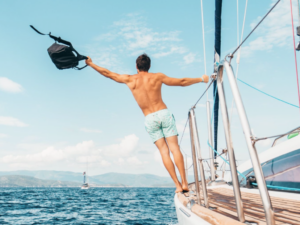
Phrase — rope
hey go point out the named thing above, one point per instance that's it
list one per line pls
(203, 44)
(295, 52)
(280, 188)
(255, 27)
(267, 94)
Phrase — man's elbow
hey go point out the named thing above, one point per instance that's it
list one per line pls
(183, 82)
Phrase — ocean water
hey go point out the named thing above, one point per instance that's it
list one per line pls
(94, 206)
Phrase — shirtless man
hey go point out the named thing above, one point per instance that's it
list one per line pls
(159, 121)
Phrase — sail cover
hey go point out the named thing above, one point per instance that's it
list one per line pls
(218, 13)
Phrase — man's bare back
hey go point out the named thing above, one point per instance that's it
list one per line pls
(146, 89)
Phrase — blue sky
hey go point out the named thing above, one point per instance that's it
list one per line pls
(52, 119)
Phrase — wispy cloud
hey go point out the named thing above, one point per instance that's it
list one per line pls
(86, 130)
(9, 85)
(124, 148)
(10, 121)
(3, 135)
(78, 154)
(132, 36)
(190, 58)
(134, 161)
(274, 31)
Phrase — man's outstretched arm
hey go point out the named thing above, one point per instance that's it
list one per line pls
(105, 72)
(170, 81)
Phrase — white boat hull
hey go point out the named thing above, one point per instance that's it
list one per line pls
(186, 216)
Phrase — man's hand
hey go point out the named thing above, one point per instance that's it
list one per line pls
(88, 61)
(205, 78)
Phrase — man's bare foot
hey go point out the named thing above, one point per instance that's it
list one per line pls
(185, 186)
(178, 187)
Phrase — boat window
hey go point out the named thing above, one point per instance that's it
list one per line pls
(283, 171)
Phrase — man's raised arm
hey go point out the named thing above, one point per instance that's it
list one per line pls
(170, 81)
(105, 72)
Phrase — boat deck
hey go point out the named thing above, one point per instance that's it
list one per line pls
(287, 211)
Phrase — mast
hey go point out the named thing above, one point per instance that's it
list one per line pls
(218, 13)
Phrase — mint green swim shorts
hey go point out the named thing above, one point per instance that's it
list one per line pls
(160, 124)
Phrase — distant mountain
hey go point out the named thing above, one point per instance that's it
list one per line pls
(47, 174)
(26, 181)
(108, 179)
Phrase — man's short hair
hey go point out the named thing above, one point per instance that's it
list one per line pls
(143, 62)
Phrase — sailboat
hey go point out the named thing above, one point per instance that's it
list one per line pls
(85, 184)
(262, 190)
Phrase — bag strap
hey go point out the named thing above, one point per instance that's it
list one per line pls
(58, 39)
(80, 68)
(37, 30)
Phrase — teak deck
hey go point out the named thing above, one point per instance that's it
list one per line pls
(287, 211)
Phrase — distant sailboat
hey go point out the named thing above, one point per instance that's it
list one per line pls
(85, 184)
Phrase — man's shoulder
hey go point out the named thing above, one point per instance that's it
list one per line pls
(158, 75)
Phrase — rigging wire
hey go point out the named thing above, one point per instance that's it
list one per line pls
(239, 51)
(194, 106)
(267, 94)
(237, 22)
(295, 51)
(183, 131)
(298, 12)
(203, 35)
(255, 27)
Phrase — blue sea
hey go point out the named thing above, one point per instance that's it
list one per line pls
(94, 206)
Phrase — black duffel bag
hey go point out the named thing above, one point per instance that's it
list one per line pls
(63, 56)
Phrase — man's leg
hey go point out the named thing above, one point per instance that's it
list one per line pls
(165, 154)
(178, 158)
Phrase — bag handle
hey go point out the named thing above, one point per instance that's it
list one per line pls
(80, 68)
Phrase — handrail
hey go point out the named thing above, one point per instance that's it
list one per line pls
(281, 136)
(254, 140)
(269, 212)
(210, 140)
(196, 146)
(233, 167)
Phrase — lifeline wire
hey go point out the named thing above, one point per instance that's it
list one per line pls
(267, 94)
(295, 51)
(183, 131)
(194, 107)
(203, 93)
(255, 27)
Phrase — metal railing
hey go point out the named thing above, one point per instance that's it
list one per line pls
(226, 124)
(210, 140)
(196, 153)
(269, 212)
(250, 140)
